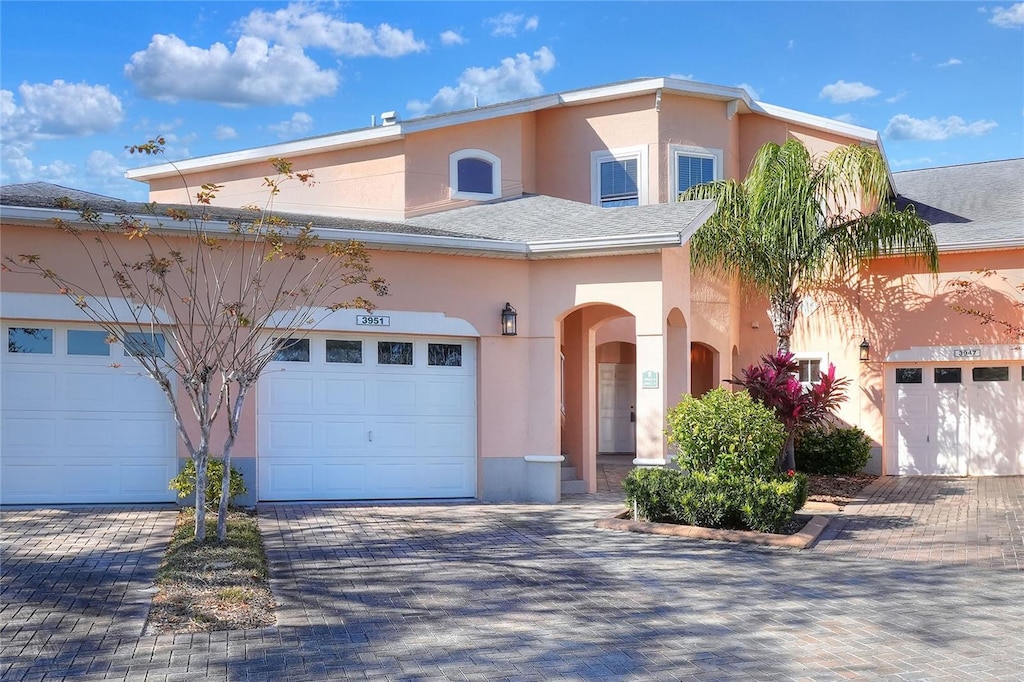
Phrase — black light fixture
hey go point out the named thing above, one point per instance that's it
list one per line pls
(508, 320)
(865, 350)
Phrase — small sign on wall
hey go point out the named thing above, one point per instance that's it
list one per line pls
(966, 352)
(649, 379)
(373, 320)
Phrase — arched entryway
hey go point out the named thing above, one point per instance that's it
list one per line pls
(616, 387)
(704, 369)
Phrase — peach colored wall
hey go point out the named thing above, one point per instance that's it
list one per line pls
(619, 352)
(566, 136)
(427, 160)
(756, 130)
(696, 122)
(364, 181)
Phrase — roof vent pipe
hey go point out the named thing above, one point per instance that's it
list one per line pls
(389, 118)
(476, 102)
(373, 120)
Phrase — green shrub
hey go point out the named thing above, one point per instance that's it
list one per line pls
(185, 482)
(769, 504)
(711, 500)
(651, 489)
(832, 450)
(725, 432)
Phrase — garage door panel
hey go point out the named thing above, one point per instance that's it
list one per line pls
(342, 436)
(292, 435)
(84, 431)
(28, 432)
(455, 436)
(450, 396)
(143, 479)
(394, 433)
(27, 482)
(29, 389)
(291, 394)
(394, 396)
(345, 394)
(289, 481)
(343, 480)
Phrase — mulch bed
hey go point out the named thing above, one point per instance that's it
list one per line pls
(838, 490)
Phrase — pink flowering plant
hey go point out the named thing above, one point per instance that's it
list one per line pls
(775, 384)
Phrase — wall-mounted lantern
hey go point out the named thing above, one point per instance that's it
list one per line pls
(865, 350)
(508, 320)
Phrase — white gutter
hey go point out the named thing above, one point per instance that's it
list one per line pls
(986, 245)
(818, 122)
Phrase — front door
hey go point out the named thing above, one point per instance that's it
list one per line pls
(616, 408)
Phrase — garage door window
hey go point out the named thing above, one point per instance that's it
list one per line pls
(291, 350)
(444, 354)
(139, 343)
(948, 375)
(394, 353)
(84, 342)
(347, 352)
(909, 375)
(30, 340)
(991, 373)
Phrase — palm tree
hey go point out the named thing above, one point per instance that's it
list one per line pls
(788, 227)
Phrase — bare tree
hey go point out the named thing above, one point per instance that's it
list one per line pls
(211, 302)
(978, 296)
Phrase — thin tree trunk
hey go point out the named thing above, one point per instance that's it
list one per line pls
(782, 312)
(200, 461)
(234, 415)
(787, 457)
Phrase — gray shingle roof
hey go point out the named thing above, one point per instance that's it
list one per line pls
(531, 218)
(976, 202)
(45, 195)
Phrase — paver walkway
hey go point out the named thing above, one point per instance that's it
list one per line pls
(517, 592)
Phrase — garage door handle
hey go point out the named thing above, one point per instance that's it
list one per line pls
(371, 436)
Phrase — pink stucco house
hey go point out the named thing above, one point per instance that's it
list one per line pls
(563, 207)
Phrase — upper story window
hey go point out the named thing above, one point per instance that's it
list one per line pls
(474, 174)
(618, 177)
(693, 166)
(810, 366)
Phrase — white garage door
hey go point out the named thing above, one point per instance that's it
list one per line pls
(75, 428)
(346, 417)
(957, 419)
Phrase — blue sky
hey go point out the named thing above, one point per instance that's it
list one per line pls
(943, 82)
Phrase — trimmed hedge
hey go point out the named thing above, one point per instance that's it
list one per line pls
(716, 500)
(832, 450)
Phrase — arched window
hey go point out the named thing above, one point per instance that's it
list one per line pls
(474, 174)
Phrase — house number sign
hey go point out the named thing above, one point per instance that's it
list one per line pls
(966, 352)
(373, 320)
(649, 379)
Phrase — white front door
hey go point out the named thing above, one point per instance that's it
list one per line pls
(346, 416)
(80, 422)
(616, 408)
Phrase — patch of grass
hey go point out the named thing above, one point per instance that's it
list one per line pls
(211, 585)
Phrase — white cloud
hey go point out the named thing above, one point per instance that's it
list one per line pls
(904, 127)
(299, 124)
(507, 25)
(452, 38)
(223, 132)
(750, 90)
(681, 76)
(104, 165)
(58, 110)
(514, 78)
(842, 92)
(897, 97)
(846, 118)
(922, 161)
(791, 44)
(301, 25)
(170, 70)
(1008, 17)
(952, 61)
(58, 172)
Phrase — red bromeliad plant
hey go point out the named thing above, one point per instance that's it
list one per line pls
(774, 382)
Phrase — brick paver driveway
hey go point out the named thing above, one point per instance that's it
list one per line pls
(536, 593)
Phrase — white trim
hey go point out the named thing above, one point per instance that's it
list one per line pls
(16, 305)
(401, 322)
(820, 356)
(677, 150)
(453, 174)
(545, 459)
(817, 122)
(638, 152)
(987, 353)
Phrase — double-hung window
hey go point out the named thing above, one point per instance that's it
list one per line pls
(693, 166)
(618, 177)
(810, 366)
(474, 174)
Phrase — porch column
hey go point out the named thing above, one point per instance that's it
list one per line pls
(651, 391)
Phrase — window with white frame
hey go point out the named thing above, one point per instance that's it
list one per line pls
(693, 166)
(618, 177)
(810, 366)
(474, 174)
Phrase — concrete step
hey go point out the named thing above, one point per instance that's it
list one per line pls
(568, 473)
(573, 487)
